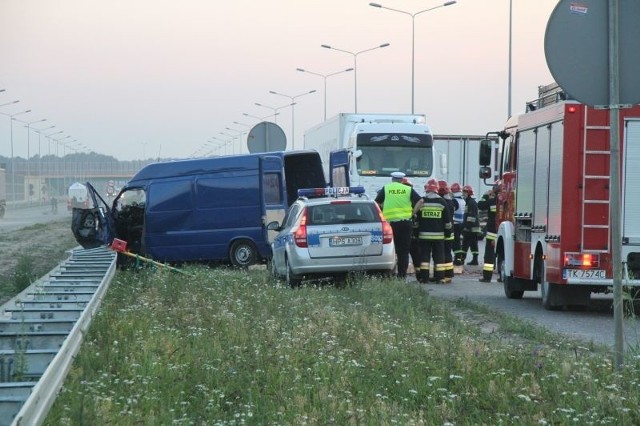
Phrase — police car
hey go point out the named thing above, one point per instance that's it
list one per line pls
(329, 232)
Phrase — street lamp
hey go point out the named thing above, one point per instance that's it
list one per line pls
(10, 103)
(223, 144)
(274, 109)
(239, 136)
(293, 98)
(324, 76)
(13, 177)
(413, 40)
(28, 126)
(355, 67)
(39, 132)
(248, 126)
(233, 138)
(260, 118)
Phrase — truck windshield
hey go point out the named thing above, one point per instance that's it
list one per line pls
(383, 154)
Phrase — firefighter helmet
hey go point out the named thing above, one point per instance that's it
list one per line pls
(443, 187)
(455, 187)
(431, 185)
(468, 188)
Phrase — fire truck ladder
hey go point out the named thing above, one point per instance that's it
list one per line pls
(589, 178)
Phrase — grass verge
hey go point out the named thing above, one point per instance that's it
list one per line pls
(226, 347)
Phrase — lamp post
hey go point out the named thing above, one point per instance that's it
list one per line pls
(39, 132)
(10, 103)
(355, 67)
(223, 144)
(233, 138)
(239, 136)
(274, 109)
(28, 126)
(260, 118)
(58, 172)
(324, 76)
(13, 176)
(413, 40)
(292, 98)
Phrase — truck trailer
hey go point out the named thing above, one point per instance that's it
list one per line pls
(553, 208)
(202, 210)
(364, 149)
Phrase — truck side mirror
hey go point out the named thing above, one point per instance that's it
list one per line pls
(484, 155)
(485, 172)
(443, 163)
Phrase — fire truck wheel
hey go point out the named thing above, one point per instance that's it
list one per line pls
(243, 253)
(507, 282)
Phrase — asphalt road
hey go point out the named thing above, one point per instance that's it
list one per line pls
(16, 218)
(594, 324)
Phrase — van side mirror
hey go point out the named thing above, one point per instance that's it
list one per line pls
(485, 172)
(273, 226)
(484, 155)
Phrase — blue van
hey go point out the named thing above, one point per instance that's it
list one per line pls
(209, 209)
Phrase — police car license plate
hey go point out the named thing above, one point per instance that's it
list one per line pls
(584, 273)
(345, 241)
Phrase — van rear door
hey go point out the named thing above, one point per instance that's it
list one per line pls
(339, 168)
(274, 200)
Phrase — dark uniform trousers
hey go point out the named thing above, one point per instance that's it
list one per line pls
(431, 249)
(402, 230)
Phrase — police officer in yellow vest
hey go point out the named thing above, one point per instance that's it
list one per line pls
(397, 201)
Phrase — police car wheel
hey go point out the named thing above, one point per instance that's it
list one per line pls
(292, 280)
(243, 253)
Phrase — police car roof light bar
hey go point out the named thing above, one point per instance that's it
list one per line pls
(330, 191)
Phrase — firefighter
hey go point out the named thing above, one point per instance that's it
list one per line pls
(452, 204)
(458, 216)
(488, 203)
(414, 248)
(397, 201)
(470, 225)
(431, 214)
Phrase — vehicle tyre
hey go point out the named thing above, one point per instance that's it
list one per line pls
(243, 253)
(550, 292)
(292, 280)
(508, 282)
(273, 271)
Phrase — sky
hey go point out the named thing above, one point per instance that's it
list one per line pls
(141, 79)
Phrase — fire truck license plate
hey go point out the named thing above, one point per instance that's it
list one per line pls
(584, 273)
(345, 241)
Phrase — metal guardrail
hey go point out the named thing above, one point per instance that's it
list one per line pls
(41, 331)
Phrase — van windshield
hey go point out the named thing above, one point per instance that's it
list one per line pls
(131, 198)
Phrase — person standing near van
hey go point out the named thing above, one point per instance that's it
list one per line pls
(397, 201)
(458, 220)
(414, 247)
(488, 203)
(471, 225)
(433, 222)
(452, 204)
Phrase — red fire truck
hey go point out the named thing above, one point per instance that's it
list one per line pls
(553, 200)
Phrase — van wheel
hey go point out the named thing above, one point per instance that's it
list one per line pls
(243, 253)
